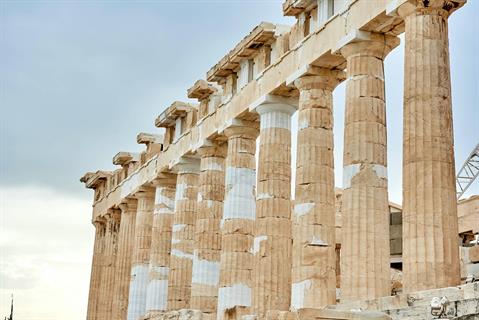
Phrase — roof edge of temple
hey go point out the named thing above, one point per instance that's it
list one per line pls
(176, 109)
(262, 34)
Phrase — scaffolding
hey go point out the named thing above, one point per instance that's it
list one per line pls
(468, 172)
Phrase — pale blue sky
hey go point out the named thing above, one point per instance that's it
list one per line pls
(79, 80)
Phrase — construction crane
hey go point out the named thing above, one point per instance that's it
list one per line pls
(468, 172)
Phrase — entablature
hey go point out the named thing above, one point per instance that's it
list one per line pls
(313, 51)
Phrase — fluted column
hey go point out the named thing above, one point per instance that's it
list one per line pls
(207, 245)
(365, 214)
(181, 258)
(123, 259)
(141, 254)
(109, 262)
(430, 234)
(96, 269)
(157, 293)
(236, 262)
(272, 231)
(314, 256)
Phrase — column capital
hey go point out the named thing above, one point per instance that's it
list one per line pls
(113, 214)
(443, 8)
(145, 192)
(164, 179)
(275, 107)
(246, 129)
(99, 222)
(368, 43)
(186, 165)
(212, 150)
(320, 78)
(316, 77)
(285, 104)
(128, 205)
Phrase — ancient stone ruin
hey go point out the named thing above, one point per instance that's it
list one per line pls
(202, 224)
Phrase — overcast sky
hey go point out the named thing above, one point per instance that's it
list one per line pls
(79, 80)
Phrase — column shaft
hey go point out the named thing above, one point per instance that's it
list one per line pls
(314, 257)
(181, 259)
(236, 262)
(109, 258)
(207, 245)
(141, 254)
(96, 270)
(365, 213)
(157, 294)
(123, 261)
(430, 234)
(272, 243)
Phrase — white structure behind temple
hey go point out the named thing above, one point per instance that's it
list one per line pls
(193, 228)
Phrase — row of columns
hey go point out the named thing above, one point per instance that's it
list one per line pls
(211, 241)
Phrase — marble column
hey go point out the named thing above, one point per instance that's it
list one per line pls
(181, 258)
(109, 262)
(157, 293)
(272, 230)
(430, 232)
(314, 256)
(365, 213)
(141, 254)
(237, 224)
(96, 268)
(123, 260)
(207, 245)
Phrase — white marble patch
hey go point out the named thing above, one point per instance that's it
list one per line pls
(303, 124)
(180, 193)
(178, 227)
(300, 209)
(240, 202)
(298, 292)
(161, 199)
(205, 272)
(275, 119)
(348, 174)
(236, 295)
(318, 242)
(181, 254)
(157, 295)
(381, 171)
(264, 196)
(138, 289)
(256, 244)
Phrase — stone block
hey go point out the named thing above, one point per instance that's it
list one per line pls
(474, 254)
